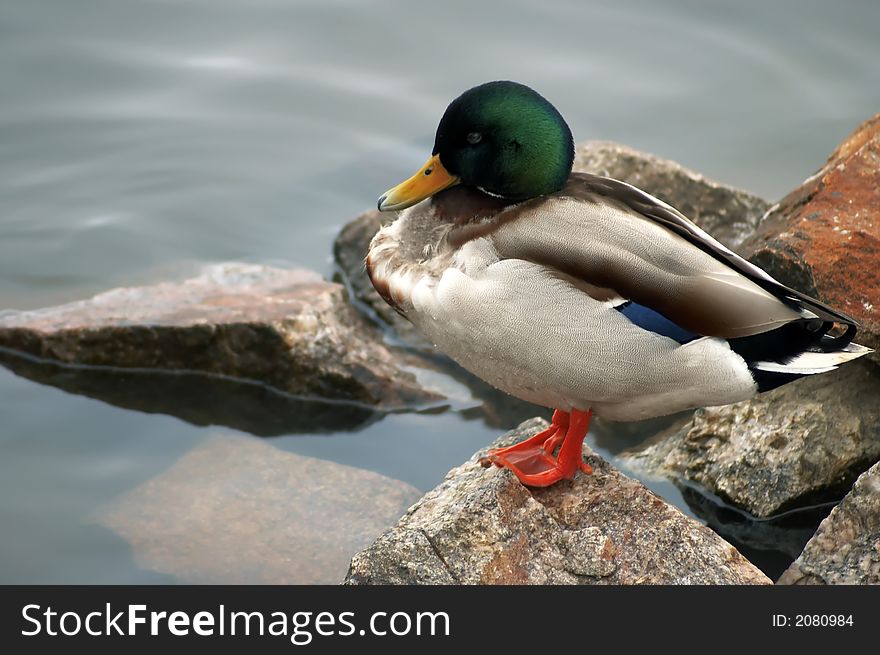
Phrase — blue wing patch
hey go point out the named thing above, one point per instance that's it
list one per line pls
(647, 319)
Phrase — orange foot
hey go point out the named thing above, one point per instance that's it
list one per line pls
(532, 460)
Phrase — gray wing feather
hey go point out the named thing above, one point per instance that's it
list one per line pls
(606, 241)
(656, 210)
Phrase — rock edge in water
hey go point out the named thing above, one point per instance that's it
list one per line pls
(798, 445)
(846, 547)
(288, 329)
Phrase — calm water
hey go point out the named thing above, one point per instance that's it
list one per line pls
(141, 140)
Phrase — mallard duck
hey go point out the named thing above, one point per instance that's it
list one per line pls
(579, 292)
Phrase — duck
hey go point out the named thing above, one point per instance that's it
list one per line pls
(580, 292)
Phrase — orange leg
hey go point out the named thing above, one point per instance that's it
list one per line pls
(554, 442)
(532, 460)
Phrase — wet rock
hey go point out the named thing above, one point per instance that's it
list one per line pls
(237, 510)
(727, 213)
(846, 548)
(823, 238)
(801, 444)
(769, 544)
(284, 328)
(481, 526)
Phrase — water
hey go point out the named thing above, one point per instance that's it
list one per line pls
(140, 140)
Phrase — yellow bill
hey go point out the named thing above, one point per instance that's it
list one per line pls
(431, 179)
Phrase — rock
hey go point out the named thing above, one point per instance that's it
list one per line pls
(805, 442)
(795, 446)
(284, 328)
(727, 213)
(770, 544)
(823, 238)
(481, 526)
(238, 510)
(846, 548)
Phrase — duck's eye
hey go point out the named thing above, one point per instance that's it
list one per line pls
(474, 138)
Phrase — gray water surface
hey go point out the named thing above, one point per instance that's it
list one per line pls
(140, 140)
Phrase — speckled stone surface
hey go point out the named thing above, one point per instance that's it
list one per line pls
(481, 526)
(802, 443)
(288, 329)
(846, 548)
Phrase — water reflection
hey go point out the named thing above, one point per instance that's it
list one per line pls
(771, 544)
(197, 398)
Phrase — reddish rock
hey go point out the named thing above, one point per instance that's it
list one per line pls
(824, 237)
(481, 526)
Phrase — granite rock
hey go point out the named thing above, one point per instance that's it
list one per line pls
(481, 526)
(800, 444)
(846, 548)
(287, 329)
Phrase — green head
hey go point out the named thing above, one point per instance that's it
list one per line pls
(500, 137)
(507, 140)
